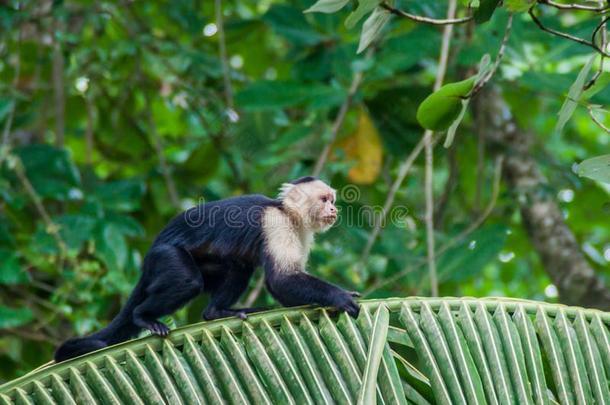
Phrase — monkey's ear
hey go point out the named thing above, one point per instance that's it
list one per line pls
(285, 188)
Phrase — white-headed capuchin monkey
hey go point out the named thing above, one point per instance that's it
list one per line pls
(215, 247)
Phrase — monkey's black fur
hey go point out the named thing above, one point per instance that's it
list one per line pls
(214, 247)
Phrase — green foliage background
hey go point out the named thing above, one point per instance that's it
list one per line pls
(145, 80)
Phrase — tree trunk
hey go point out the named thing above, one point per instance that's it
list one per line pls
(561, 255)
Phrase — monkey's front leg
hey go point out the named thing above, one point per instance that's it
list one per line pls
(228, 292)
(298, 288)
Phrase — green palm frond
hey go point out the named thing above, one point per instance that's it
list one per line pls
(399, 351)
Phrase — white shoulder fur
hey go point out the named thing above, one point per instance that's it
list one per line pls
(288, 245)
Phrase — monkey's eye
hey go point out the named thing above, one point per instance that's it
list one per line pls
(324, 199)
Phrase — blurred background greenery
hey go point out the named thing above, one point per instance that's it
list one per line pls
(117, 115)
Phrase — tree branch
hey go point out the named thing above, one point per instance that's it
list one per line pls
(425, 20)
(51, 227)
(543, 219)
(565, 35)
(499, 57)
(429, 150)
(561, 6)
(596, 120)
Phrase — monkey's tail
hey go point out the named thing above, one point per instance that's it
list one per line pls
(120, 329)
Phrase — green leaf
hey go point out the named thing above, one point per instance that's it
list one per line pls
(50, 170)
(462, 354)
(263, 95)
(373, 360)
(111, 246)
(518, 6)
(10, 270)
(597, 168)
(289, 22)
(121, 195)
(441, 108)
(484, 68)
(602, 82)
(372, 27)
(327, 6)
(576, 90)
(455, 124)
(364, 7)
(485, 10)
(14, 317)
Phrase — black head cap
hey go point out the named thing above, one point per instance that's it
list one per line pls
(305, 179)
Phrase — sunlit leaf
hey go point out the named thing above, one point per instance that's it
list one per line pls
(571, 102)
(420, 350)
(364, 147)
(372, 27)
(597, 168)
(327, 6)
(518, 6)
(364, 7)
(602, 83)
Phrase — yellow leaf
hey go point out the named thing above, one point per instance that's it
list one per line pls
(364, 148)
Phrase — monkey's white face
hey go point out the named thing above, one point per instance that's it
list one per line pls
(323, 210)
(314, 202)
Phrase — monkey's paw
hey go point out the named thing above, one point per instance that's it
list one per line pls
(158, 328)
(347, 303)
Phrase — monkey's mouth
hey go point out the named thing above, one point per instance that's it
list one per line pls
(329, 219)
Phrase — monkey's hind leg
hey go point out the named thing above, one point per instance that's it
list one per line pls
(172, 280)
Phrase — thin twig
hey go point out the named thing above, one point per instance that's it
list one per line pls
(51, 227)
(89, 131)
(6, 133)
(600, 26)
(256, 291)
(499, 57)
(429, 153)
(425, 20)
(461, 236)
(339, 119)
(603, 45)
(35, 336)
(600, 9)
(480, 133)
(403, 170)
(596, 120)
(58, 91)
(565, 35)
